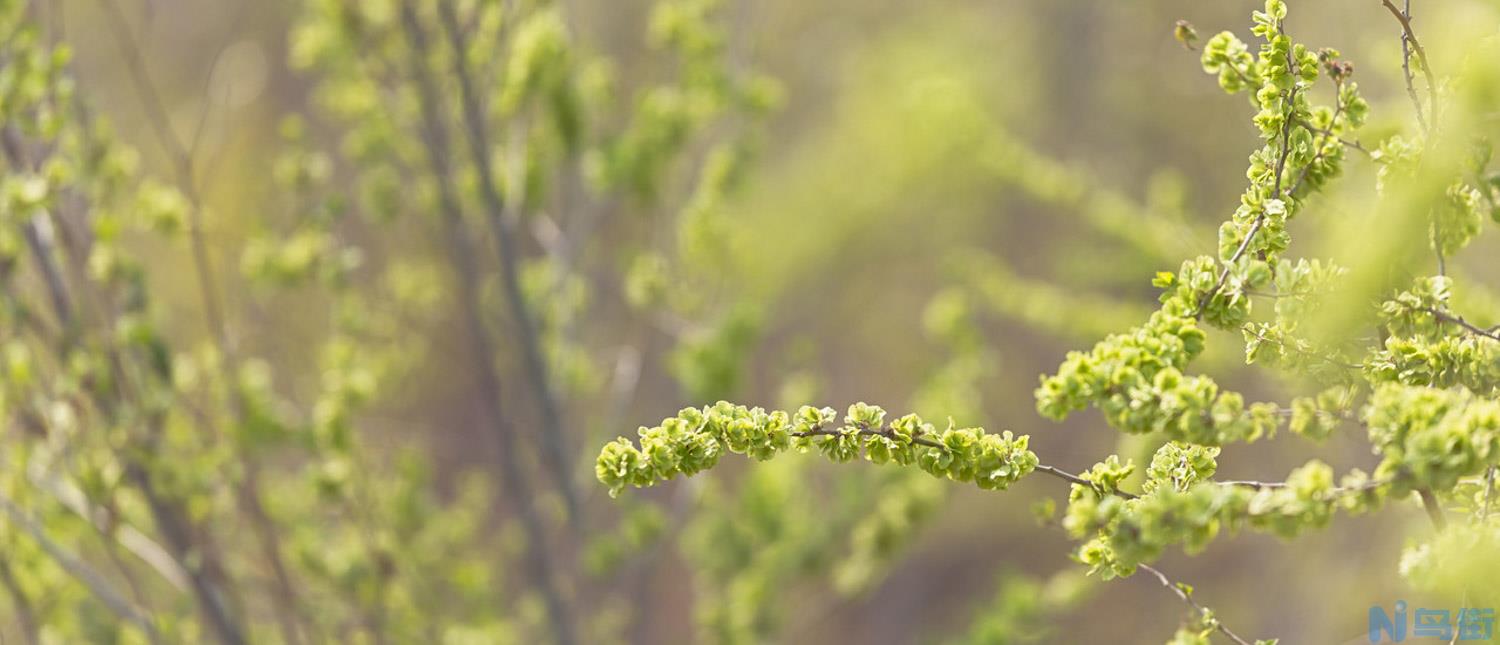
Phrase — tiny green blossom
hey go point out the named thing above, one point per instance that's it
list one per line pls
(697, 438)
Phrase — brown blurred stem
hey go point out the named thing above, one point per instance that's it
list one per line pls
(284, 596)
(1433, 507)
(1489, 492)
(97, 584)
(466, 267)
(25, 613)
(553, 439)
(210, 601)
(41, 246)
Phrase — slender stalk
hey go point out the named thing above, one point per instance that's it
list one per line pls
(466, 270)
(284, 596)
(1489, 492)
(1410, 45)
(1455, 319)
(1331, 360)
(97, 584)
(889, 433)
(1433, 507)
(210, 601)
(1188, 598)
(1260, 220)
(25, 613)
(553, 439)
(37, 240)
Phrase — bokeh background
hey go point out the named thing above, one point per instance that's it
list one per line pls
(1035, 161)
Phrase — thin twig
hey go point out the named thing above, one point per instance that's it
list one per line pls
(1329, 359)
(1410, 44)
(1433, 507)
(1352, 144)
(1489, 492)
(1260, 220)
(76, 567)
(1338, 110)
(889, 433)
(1479, 519)
(1459, 320)
(1188, 598)
(553, 440)
(466, 268)
(1335, 491)
(284, 598)
(25, 612)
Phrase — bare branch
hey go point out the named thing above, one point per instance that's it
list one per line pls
(1409, 45)
(1433, 507)
(553, 439)
(181, 159)
(25, 612)
(1260, 220)
(465, 265)
(1188, 598)
(1456, 319)
(96, 583)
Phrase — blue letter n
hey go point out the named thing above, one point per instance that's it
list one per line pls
(1395, 625)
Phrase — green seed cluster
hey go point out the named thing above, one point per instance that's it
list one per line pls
(1425, 383)
(1427, 349)
(1181, 507)
(1430, 438)
(697, 438)
(1136, 379)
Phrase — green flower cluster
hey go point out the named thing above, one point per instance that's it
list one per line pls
(1430, 438)
(1178, 466)
(1316, 417)
(697, 438)
(1456, 220)
(1182, 507)
(1461, 557)
(1304, 145)
(1300, 288)
(1426, 347)
(1136, 378)
(1425, 388)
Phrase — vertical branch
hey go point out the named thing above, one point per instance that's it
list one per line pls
(284, 597)
(537, 373)
(211, 603)
(1434, 508)
(37, 240)
(1411, 46)
(1411, 90)
(1489, 492)
(25, 613)
(466, 269)
(96, 584)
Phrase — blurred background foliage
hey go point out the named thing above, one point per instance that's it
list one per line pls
(923, 205)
